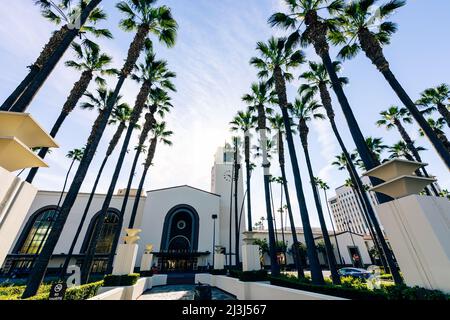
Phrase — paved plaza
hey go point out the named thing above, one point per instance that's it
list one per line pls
(180, 292)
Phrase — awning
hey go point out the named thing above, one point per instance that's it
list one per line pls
(14, 155)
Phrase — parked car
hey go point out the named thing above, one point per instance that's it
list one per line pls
(354, 272)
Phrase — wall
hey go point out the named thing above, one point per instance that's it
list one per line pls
(16, 197)
(46, 198)
(159, 203)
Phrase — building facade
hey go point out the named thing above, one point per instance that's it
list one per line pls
(176, 221)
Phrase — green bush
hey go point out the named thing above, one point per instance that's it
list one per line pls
(234, 273)
(83, 292)
(218, 272)
(337, 291)
(356, 289)
(248, 276)
(121, 281)
(14, 292)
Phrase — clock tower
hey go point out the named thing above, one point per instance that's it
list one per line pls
(222, 183)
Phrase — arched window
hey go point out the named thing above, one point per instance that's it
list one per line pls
(107, 234)
(36, 231)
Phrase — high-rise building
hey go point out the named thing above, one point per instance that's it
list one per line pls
(348, 210)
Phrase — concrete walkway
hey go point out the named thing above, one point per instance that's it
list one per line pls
(180, 292)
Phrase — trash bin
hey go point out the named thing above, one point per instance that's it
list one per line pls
(203, 292)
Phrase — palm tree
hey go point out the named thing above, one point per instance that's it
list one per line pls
(364, 28)
(75, 155)
(150, 72)
(306, 109)
(393, 117)
(74, 19)
(158, 102)
(155, 20)
(433, 99)
(277, 123)
(342, 163)
(245, 122)
(121, 116)
(258, 100)
(305, 13)
(401, 150)
(376, 148)
(277, 57)
(438, 127)
(325, 187)
(160, 134)
(92, 63)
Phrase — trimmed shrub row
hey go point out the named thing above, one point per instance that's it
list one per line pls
(147, 273)
(218, 272)
(357, 291)
(121, 281)
(246, 276)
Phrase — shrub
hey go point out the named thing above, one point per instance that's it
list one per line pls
(218, 272)
(83, 292)
(121, 281)
(248, 276)
(234, 273)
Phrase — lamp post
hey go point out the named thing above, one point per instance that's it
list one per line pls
(214, 217)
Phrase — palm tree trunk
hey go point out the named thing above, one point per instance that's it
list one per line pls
(316, 272)
(296, 255)
(40, 267)
(137, 111)
(328, 247)
(274, 215)
(237, 167)
(83, 219)
(274, 267)
(24, 101)
(65, 182)
(443, 110)
(332, 226)
(79, 88)
(49, 48)
(248, 182)
(374, 52)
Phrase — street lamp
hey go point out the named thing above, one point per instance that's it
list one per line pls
(214, 217)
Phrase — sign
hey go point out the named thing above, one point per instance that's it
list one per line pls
(57, 291)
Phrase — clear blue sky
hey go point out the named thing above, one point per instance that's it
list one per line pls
(216, 39)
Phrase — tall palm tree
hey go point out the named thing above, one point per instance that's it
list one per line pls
(277, 57)
(258, 100)
(438, 98)
(438, 128)
(151, 19)
(245, 121)
(92, 64)
(325, 187)
(277, 123)
(318, 79)
(121, 116)
(160, 134)
(345, 161)
(74, 18)
(158, 102)
(305, 109)
(393, 117)
(361, 27)
(150, 72)
(75, 155)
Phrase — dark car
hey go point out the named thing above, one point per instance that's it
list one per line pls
(354, 272)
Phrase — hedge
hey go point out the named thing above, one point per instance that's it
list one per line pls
(218, 272)
(75, 293)
(146, 273)
(248, 276)
(121, 281)
(354, 290)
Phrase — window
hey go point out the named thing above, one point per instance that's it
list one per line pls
(107, 233)
(38, 230)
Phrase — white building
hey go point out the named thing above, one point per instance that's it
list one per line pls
(347, 209)
(177, 221)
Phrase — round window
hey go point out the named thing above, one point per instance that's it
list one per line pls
(181, 224)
